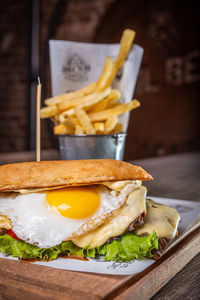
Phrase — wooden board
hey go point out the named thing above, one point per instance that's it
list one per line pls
(22, 280)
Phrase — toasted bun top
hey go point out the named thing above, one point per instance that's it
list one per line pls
(66, 173)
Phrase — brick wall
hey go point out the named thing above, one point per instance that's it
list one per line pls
(77, 20)
(13, 75)
(160, 27)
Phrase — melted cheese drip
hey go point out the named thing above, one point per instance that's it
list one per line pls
(5, 223)
(121, 219)
(161, 218)
(119, 185)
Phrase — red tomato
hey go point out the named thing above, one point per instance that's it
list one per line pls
(12, 234)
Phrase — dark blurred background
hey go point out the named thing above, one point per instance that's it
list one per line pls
(169, 80)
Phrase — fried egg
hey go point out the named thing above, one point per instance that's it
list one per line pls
(48, 218)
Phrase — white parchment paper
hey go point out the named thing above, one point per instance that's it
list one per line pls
(188, 211)
(75, 65)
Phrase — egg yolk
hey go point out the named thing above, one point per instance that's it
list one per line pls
(74, 202)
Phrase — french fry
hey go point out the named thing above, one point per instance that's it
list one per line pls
(97, 98)
(118, 110)
(62, 129)
(108, 101)
(99, 106)
(115, 94)
(107, 71)
(118, 128)
(53, 100)
(99, 127)
(125, 45)
(71, 103)
(78, 130)
(64, 115)
(67, 113)
(113, 97)
(48, 112)
(86, 101)
(84, 121)
(61, 118)
(94, 108)
(112, 103)
(72, 95)
(70, 122)
(110, 123)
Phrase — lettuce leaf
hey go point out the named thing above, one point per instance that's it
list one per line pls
(23, 250)
(129, 247)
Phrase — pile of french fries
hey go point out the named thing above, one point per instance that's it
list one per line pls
(93, 109)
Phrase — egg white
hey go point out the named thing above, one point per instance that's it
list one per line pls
(35, 222)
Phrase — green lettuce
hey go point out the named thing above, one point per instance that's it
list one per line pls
(23, 250)
(129, 247)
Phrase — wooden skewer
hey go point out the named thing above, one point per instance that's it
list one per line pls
(38, 105)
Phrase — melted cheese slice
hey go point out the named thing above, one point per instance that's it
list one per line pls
(119, 185)
(113, 185)
(121, 219)
(160, 218)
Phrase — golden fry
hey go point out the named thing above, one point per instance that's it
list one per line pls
(99, 127)
(69, 96)
(48, 112)
(65, 114)
(97, 98)
(118, 110)
(62, 129)
(70, 122)
(100, 106)
(84, 121)
(71, 103)
(107, 71)
(113, 97)
(94, 108)
(86, 101)
(110, 123)
(107, 102)
(125, 46)
(53, 100)
(61, 118)
(78, 130)
(118, 128)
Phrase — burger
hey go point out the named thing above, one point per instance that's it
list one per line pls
(81, 208)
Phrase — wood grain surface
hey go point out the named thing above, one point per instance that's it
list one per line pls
(179, 176)
(22, 280)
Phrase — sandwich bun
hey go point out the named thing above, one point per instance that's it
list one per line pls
(47, 174)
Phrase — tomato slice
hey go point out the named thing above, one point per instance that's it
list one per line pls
(12, 234)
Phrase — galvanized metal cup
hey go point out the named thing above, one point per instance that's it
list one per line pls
(84, 146)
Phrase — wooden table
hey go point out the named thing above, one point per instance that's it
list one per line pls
(175, 176)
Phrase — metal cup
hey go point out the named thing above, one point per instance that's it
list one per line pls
(73, 147)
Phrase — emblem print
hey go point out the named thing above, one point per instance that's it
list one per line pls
(76, 68)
